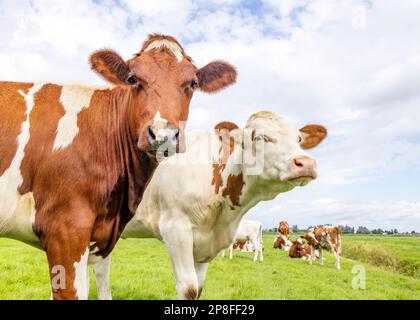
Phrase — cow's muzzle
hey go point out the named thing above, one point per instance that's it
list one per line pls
(163, 140)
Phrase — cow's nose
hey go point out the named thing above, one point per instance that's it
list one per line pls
(304, 167)
(162, 135)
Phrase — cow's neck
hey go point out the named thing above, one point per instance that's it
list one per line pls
(255, 189)
(127, 169)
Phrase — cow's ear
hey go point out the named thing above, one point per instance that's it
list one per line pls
(312, 135)
(216, 76)
(111, 67)
(303, 237)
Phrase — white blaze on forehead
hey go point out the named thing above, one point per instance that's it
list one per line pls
(172, 46)
(272, 124)
(81, 278)
(159, 125)
(12, 204)
(73, 100)
(159, 119)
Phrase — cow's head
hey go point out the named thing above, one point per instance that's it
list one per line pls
(282, 242)
(297, 249)
(161, 80)
(310, 238)
(283, 148)
(283, 228)
(286, 242)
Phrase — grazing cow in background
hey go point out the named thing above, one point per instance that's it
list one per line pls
(243, 246)
(195, 208)
(324, 237)
(282, 241)
(75, 161)
(251, 231)
(299, 249)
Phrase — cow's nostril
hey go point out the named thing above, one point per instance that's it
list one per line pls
(298, 163)
(151, 133)
(177, 134)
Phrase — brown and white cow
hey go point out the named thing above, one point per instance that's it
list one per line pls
(324, 237)
(214, 188)
(299, 249)
(75, 160)
(282, 241)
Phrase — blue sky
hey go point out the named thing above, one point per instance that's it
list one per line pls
(351, 65)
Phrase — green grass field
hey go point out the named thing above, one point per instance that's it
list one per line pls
(141, 270)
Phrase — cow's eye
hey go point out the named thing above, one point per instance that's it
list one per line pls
(194, 84)
(132, 80)
(262, 137)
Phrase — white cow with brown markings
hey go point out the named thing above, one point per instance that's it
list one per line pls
(249, 230)
(198, 213)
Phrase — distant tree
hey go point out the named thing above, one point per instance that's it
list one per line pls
(395, 231)
(362, 230)
(413, 232)
(377, 231)
(295, 228)
(346, 229)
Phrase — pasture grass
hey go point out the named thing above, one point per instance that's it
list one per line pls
(141, 269)
(395, 253)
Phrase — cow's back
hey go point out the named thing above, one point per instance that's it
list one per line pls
(247, 228)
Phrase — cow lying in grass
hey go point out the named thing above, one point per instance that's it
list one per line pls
(299, 249)
(324, 237)
(195, 207)
(282, 241)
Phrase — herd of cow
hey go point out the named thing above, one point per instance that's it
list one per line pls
(309, 246)
(81, 167)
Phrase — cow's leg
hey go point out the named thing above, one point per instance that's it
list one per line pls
(336, 255)
(178, 238)
(67, 246)
(87, 280)
(256, 245)
(201, 270)
(101, 269)
(321, 257)
(311, 260)
(68, 262)
(231, 251)
(223, 253)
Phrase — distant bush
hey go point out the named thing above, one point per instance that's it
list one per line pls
(373, 255)
(381, 258)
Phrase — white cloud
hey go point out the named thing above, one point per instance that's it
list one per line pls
(351, 65)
